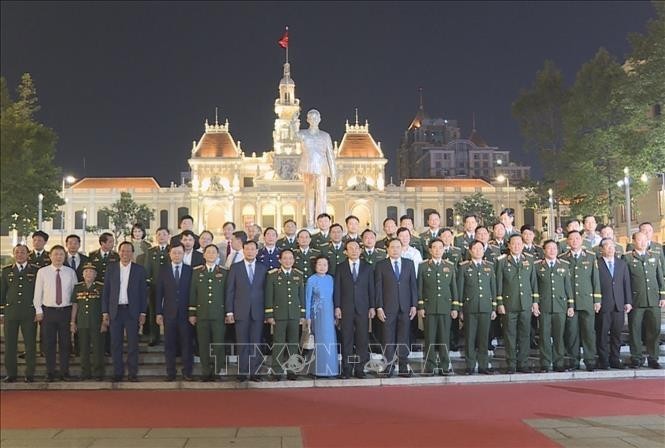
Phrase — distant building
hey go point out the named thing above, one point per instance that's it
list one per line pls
(433, 148)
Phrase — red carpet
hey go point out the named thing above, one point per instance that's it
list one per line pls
(453, 415)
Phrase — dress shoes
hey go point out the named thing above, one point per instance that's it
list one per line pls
(486, 371)
(291, 376)
(388, 372)
(360, 375)
(99, 378)
(343, 376)
(67, 377)
(405, 372)
(255, 378)
(525, 370)
(9, 379)
(654, 364)
(169, 378)
(241, 378)
(590, 367)
(468, 372)
(153, 343)
(617, 365)
(50, 378)
(117, 378)
(445, 372)
(560, 369)
(133, 379)
(29, 379)
(510, 371)
(187, 378)
(603, 366)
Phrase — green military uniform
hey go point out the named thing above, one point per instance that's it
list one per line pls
(334, 255)
(319, 240)
(285, 302)
(476, 286)
(648, 287)
(417, 243)
(154, 259)
(555, 297)
(502, 245)
(536, 252)
(517, 290)
(426, 237)
(303, 262)
(206, 303)
(284, 243)
(452, 254)
(88, 323)
(356, 238)
(101, 262)
(16, 293)
(383, 242)
(437, 295)
(585, 283)
(462, 240)
(41, 260)
(373, 258)
(654, 247)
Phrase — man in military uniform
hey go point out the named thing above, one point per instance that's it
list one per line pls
(156, 257)
(507, 218)
(304, 255)
(369, 253)
(590, 238)
(608, 232)
(87, 322)
(104, 255)
(572, 225)
(390, 230)
(433, 231)
(352, 229)
(657, 248)
(451, 252)
(414, 241)
(334, 250)
(517, 290)
(491, 251)
(476, 286)
(585, 282)
(528, 235)
(269, 254)
(322, 237)
(438, 302)
(462, 240)
(17, 312)
(289, 240)
(285, 309)
(554, 302)
(206, 311)
(39, 256)
(500, 239)
(648, 286)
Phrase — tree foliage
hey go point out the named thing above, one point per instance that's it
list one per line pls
(27, 150)
(605, 121)
(478, 205)
(126, 212)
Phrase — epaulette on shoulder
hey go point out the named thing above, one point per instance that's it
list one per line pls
(501, 257)
(459, 234)
(464, 262)
(33, 265)
(378, 249)
(297, 270)
(563, 261)
(81, 283)
(99, 283)
(488, 262)
(496, 246)
(272, 271)
(528, 254)
(199, 267)
(428, 261)
(7, 267)
(449, 262)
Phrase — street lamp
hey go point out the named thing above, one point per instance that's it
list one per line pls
(550, 227)
(625, 182)
(67, 180)
(40, 197)
(85, 218)
(501, 178)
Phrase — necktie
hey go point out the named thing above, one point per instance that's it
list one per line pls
(209, 270)
(20, 268)
(235, 257)
(251, 273)
(611, 266)
(177, 274)
(58, 288)
(551, 264)
(355, 271)
(72, 263)
(397, 270)
(228, 248)
(105, 257)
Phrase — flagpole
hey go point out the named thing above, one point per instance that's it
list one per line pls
(287, 47)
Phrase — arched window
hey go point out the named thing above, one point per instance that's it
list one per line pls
(102, 219)
(78, 219)
(164, 218)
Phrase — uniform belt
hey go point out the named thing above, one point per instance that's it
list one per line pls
(57, 308)
(123, 306)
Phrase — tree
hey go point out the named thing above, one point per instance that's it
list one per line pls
(126, 212)
(27, 150)
(478, 205)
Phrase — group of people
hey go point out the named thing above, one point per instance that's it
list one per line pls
(343, 287)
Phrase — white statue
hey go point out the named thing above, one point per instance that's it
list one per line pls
(317, 163)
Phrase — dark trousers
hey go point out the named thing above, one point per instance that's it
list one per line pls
(437, 334)
(56, 331)
(29, 332)
(211, 339)
(178, 329)
(151, 323)
(248, 339)
(91, 338)
(121, 323)
(396, 330)
(516, 334)
(608, 336)
(355, 333)
(285, 343)
(476, 331)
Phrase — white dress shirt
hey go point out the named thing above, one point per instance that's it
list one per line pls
(77, 259)
(123, 297)
(413, 254)
(187, 259)
(234, 257)
(253, 267)
(45, 287)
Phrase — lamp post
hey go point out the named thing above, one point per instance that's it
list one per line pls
(85, 218)
(40, 198)
(502, 178)
(67, 180)
(551, 225)
(625, 183)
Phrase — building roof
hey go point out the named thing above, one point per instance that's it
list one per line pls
(360, 145)
(477, 140)
(418, 119)
(216, 142)
(447, 183)
(120, 183)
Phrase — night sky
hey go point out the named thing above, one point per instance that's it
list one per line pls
(127, 86)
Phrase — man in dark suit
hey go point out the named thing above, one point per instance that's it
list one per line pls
(192, 257)
(245, 307)
(354, 306)
(396, 292)
(75, 259)
(124, 306)
(172, 310)
(186, 223)
(616, 300)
